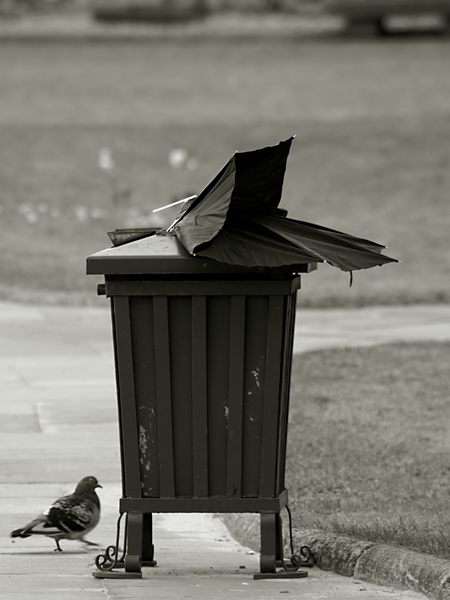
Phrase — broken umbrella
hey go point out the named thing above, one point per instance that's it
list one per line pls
(236, 220)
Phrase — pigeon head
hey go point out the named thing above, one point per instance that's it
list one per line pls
(87, 484)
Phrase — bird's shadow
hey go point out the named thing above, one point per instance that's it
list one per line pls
(88, 549)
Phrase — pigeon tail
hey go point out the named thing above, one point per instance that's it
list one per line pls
(22, 532)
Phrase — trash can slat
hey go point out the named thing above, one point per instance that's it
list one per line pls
(255, 346)
(291, 304)
(199, 397)
(235, 396)
(127, 402)
(180, 344)
(218, 358)
(141, 312)
(163, 396)
(273, 367)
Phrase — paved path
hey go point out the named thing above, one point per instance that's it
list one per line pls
(368, 326)
(58, 423)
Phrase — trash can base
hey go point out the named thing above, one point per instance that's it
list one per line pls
(281, 575)
(145, 563)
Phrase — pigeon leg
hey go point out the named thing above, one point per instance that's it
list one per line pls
(58, 547)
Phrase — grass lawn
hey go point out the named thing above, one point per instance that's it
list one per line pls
(371, 156)
(368, 444)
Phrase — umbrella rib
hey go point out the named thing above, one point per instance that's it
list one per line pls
(174, 203)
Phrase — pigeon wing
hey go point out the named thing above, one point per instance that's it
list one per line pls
(73, 515)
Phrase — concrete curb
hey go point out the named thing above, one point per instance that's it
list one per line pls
(380, 564)
(337, 553)
(405, 569)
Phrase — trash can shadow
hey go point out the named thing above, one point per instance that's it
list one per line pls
(203, 355)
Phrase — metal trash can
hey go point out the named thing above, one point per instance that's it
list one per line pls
(203, 356)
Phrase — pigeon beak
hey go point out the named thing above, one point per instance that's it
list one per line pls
(98, 485)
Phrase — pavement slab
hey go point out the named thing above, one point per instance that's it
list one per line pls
(318, 329)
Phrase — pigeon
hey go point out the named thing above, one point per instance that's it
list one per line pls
(71, 517)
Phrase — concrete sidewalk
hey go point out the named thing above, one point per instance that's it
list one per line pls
(317, 329)
(59, 423)
(81, 28)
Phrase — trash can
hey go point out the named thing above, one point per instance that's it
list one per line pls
(203, 356)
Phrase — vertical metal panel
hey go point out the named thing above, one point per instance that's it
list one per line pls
(199, 398)
(218, 357)
(141, 313)
(127, 402)
(207, 377)
(163, 396)
(119, 409)
(255, 349)
(288, 343)
(235, 396)
(180, 334)
(269, 444)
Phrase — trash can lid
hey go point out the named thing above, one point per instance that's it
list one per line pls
(162, 253)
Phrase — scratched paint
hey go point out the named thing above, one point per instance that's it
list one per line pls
(143, 439)
(255, 374)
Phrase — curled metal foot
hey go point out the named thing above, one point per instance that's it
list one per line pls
(295, 562)
(108, 560)
(308, 558)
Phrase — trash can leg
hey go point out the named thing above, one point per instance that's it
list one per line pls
(271, 543)
(279, 540)
(135, 530)
(147, 542)
(272, 551)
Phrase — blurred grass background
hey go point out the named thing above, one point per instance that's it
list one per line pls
(368, 444)
(371, 157)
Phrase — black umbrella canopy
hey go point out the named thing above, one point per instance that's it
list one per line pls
(276, 241)
(236, 220)
(250, 183)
